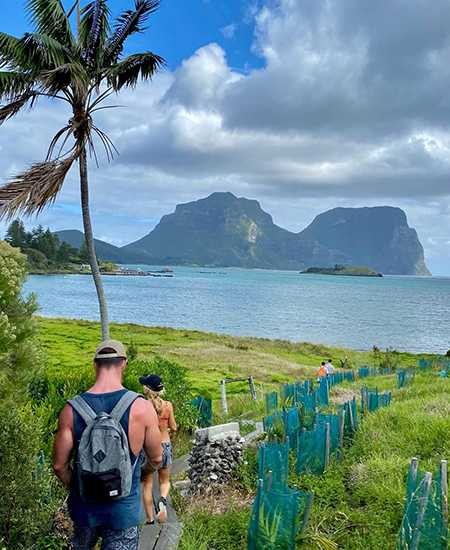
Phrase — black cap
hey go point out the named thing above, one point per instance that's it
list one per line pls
(152, 381)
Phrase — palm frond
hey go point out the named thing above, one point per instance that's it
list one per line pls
(44, 52)
(13, 84)
(31, 191)
(108, 145)
(128, 23)
(71, 75)
(50, 18)
(12, 53)
(67, 130)
(127, 72)
(12, 108)
(94, 30)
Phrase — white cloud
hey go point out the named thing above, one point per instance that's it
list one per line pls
(229, 31)
(349, 109)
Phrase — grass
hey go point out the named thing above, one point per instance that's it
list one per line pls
(204, 531)
(358, 502)
(69, 345)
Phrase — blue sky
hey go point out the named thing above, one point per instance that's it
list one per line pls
(178, 29)
(303, 105)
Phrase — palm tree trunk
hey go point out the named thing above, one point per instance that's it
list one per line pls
(90, 245)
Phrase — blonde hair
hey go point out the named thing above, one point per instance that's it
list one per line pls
(155, 398)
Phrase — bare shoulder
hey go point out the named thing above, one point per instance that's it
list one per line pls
(66, 416)
(141, 409)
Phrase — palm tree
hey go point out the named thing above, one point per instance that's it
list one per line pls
(82, 68)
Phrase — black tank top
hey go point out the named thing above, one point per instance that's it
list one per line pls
(120, 514)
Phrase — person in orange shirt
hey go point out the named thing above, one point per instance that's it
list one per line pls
(322, 372)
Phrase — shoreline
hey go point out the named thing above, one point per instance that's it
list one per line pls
(232, 268)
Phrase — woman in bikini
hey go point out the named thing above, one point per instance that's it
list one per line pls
(153, 389)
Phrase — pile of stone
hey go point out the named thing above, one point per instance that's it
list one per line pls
(214, 458)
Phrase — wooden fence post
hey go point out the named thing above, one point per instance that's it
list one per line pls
(223, 394)
(341, 428)
(350, 414)
(251, 384)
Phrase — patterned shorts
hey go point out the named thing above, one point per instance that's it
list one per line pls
(167, 455)
(167, 460)
(85, 538)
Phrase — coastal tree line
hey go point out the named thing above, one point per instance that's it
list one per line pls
(43, 249)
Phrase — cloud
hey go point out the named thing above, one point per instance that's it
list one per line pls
(229, 30)
(350, 108)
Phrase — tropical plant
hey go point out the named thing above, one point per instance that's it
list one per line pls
(269, 526)
(82, 68)
(19, 351)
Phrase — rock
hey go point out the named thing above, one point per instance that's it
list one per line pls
(212, 463)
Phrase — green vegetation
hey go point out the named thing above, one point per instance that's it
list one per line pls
(208, 357)
(358, 502)
(348, 270)
(45, 252)
(204, 530)
(43, 249)
(28, 490)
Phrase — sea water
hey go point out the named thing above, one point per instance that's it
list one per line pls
(405, 313)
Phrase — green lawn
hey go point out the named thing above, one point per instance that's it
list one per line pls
(359, 501)
(69, 347)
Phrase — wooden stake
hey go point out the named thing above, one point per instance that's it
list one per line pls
(223, 393)
(341, 429)
(251, 384)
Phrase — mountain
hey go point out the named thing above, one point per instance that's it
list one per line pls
(105, 251)
(224, 230)
(220, 230)
(378, 237)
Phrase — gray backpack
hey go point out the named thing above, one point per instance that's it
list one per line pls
(103, 463)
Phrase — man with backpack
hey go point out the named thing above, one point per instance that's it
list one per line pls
(97, 455)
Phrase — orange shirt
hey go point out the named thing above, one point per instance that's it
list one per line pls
(322, 371)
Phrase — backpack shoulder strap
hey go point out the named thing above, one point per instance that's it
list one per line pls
(83, 409)
(124, 404)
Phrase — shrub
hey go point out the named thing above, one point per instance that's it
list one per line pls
(176, 383)
(29, 495)
(389, 359)
(345, 363)
(50, 391)
(19, 351)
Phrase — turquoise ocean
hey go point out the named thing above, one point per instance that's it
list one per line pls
(405, 313)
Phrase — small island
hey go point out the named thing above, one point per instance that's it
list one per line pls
(346, 270)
